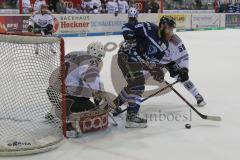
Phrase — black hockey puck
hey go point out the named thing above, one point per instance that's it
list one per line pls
(188, 126)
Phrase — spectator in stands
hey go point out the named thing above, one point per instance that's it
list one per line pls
(91, 6)
(103, 6)
(198, 4)
(223, 7)
(96, 6)
(9, 4)
(70, 9)
(79, 9)
(61, 7)
(216, 5)
(87, 6)
(112, 7)
(152, 7)
(38, 4)
(167, 5)
(230, 7)
(12, 3)
(237, 6)
(123, 6)
(2, 3)
(26, 6)
(52, 5)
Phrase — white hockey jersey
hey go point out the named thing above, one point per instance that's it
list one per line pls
(82, 76)
(41, 20)
(123, 6)
(112, 7)
(176, 52)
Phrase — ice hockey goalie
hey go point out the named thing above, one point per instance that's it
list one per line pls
(82, 85)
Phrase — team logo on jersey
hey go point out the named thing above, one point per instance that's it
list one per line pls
(152, 50)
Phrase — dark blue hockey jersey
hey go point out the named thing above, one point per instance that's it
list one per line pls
(149, 44)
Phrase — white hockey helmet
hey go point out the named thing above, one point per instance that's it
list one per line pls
(96, 49)
(132, 12)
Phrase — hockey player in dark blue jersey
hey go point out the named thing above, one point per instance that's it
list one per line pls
(146, 36)
(141, 51)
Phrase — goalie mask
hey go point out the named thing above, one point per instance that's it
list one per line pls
(96, 49)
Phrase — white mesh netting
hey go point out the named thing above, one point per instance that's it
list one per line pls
(26, 64)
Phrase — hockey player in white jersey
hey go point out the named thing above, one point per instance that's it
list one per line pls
(176, 57)
(41, 21)
(82, 82)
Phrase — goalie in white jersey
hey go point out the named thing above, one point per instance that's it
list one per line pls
(41, 21)
(176, 58)
(82, 82)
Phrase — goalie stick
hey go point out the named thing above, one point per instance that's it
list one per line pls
(114, 121)
(212, 118)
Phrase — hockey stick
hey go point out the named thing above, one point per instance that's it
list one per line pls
(155, 93)
(212, 118)
(114, 121)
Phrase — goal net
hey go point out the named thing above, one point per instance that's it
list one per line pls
(27, 63)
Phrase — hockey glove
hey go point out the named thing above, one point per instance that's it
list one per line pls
(30, 28)
(173, 68)
(183, 74)
(158, 74)
(48, 29)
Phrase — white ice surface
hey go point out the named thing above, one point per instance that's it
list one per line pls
(214, 68)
